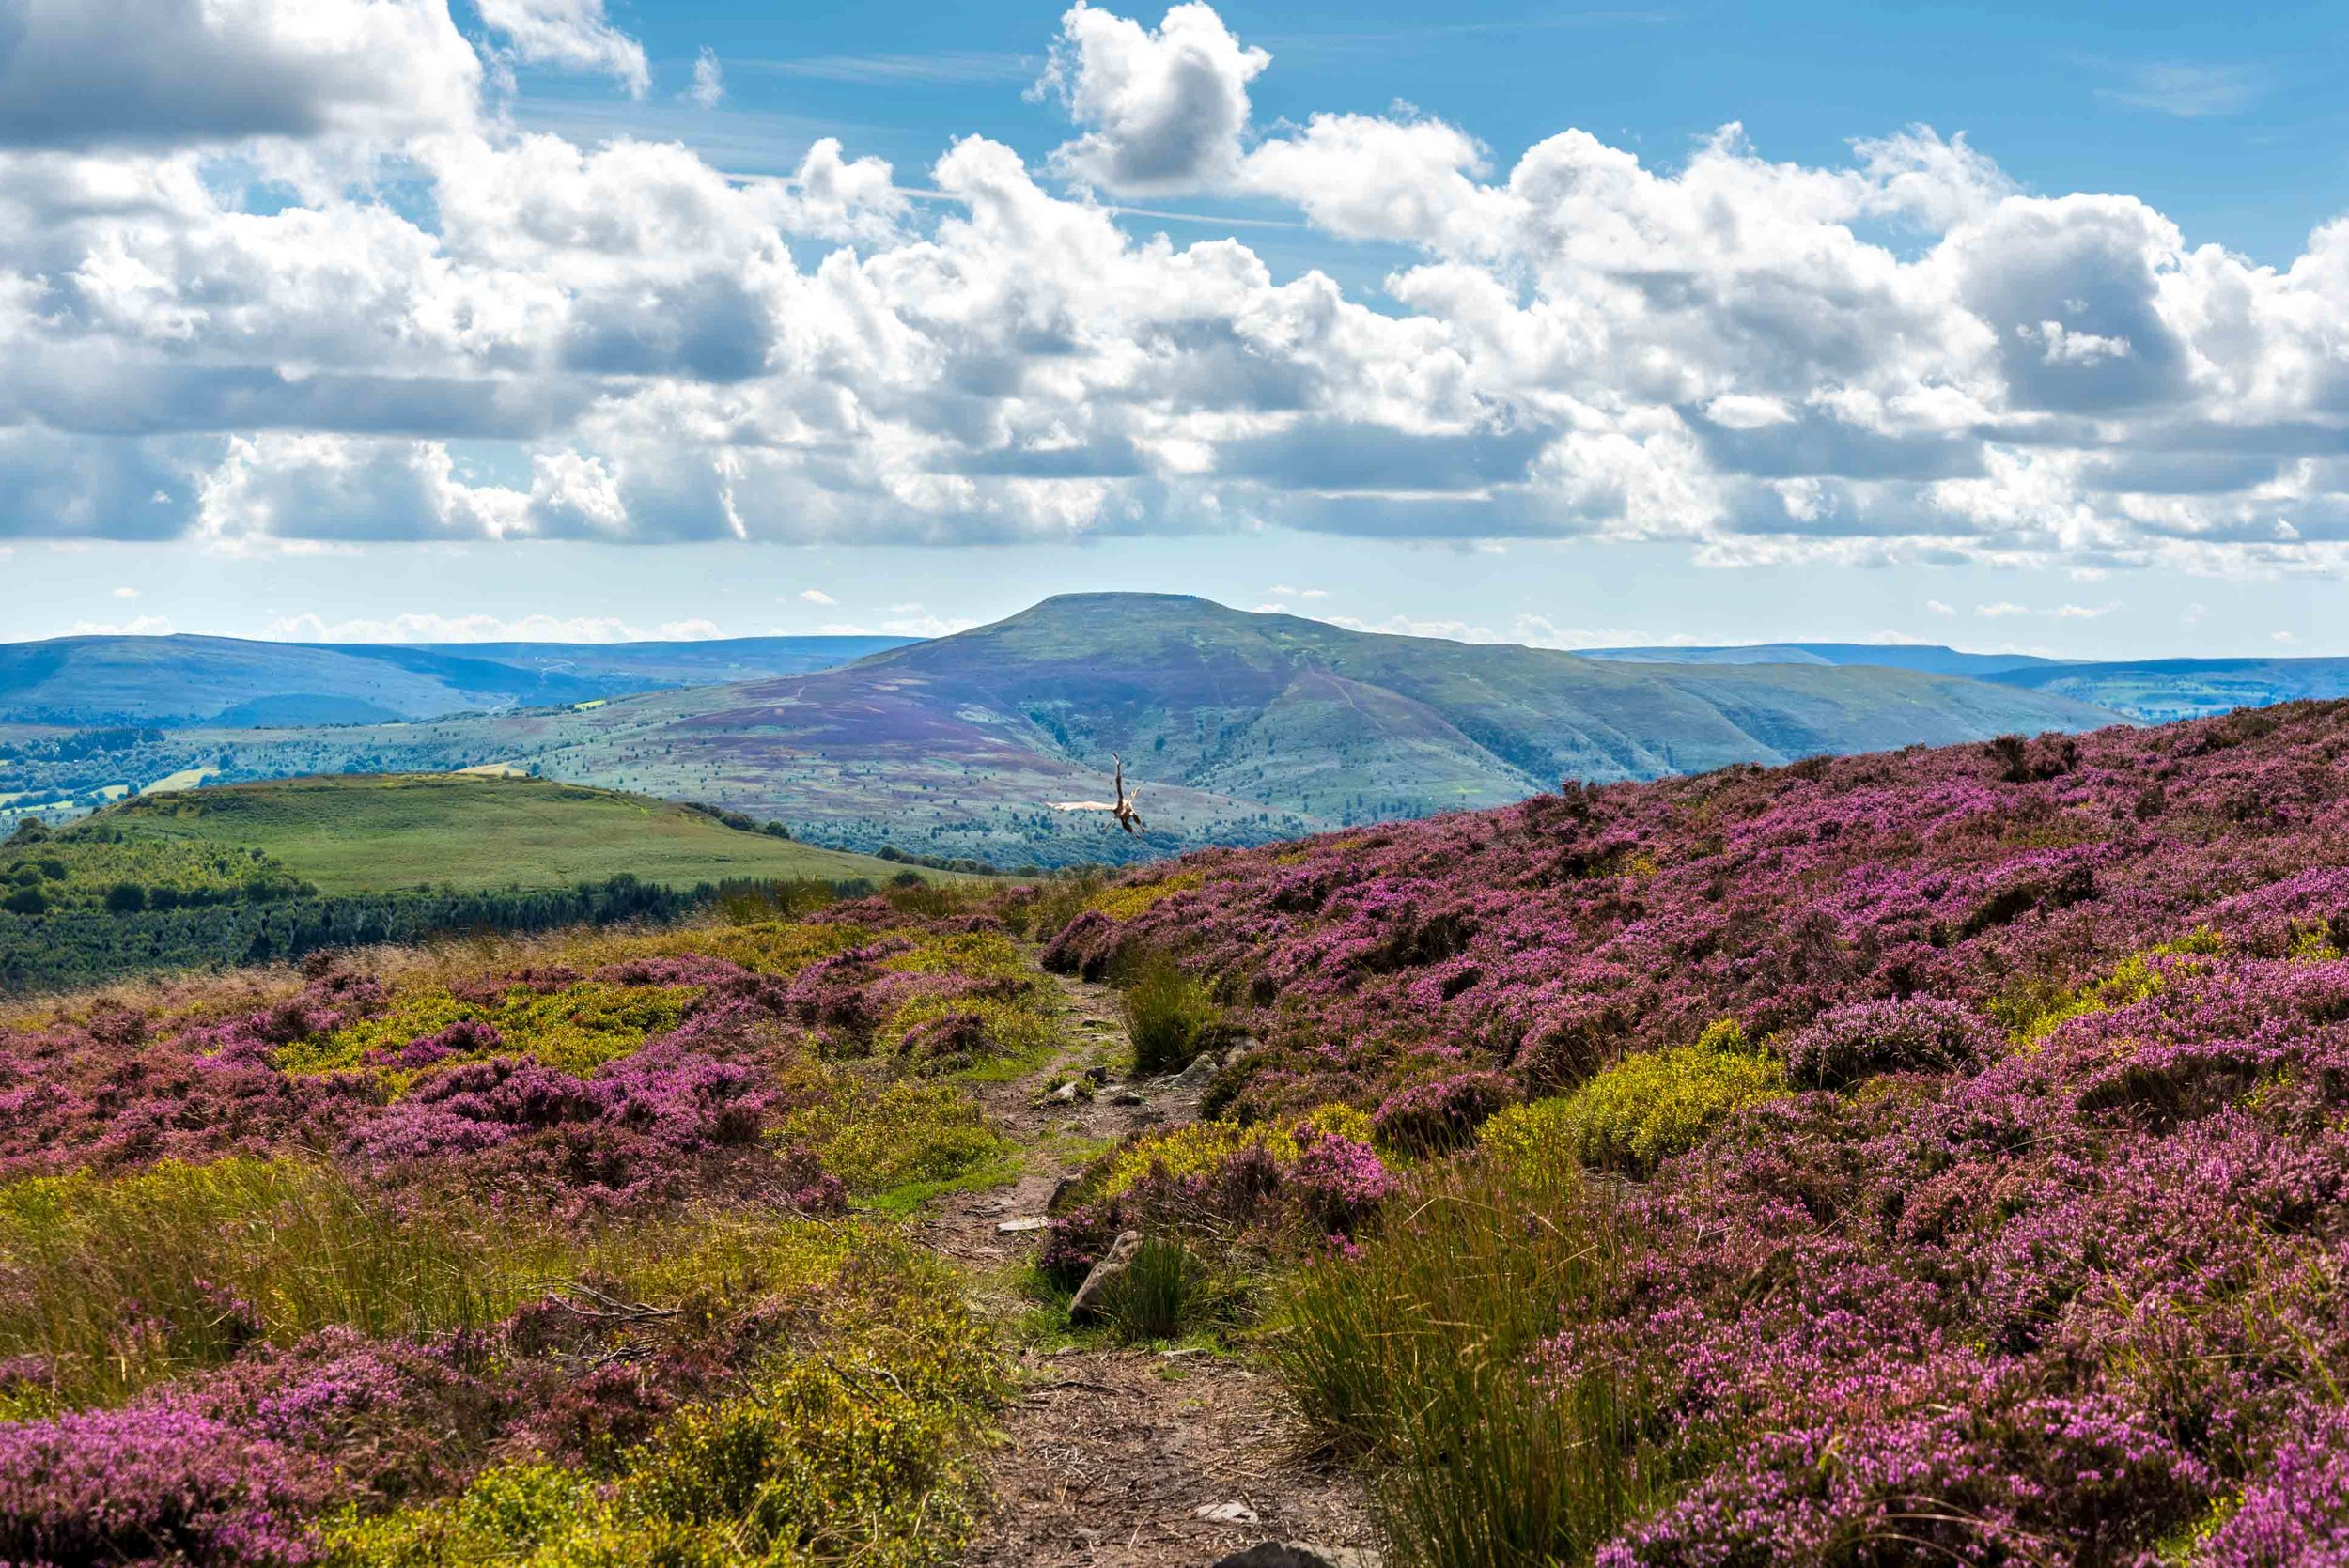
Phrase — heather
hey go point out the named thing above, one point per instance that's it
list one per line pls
(572, 1249)
(1935, 1154)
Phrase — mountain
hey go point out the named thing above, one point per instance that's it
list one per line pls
(2159, 689)
(1235, 727)
(1930, 657)
(225, 680)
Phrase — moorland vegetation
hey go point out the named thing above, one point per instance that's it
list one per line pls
(1929, 1156)
(1932, 1155)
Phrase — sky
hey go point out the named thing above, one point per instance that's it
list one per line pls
(2013, 327)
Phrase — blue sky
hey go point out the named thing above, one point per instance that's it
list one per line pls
(611, 320)
(2231, 119)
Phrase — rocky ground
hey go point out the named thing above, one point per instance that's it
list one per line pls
(1121, 1458)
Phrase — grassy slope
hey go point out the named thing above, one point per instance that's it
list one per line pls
(350, 834)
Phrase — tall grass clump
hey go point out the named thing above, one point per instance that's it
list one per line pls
(118, 1283)
(1169, 1290)
(1167, 1014)
(1421, 1356)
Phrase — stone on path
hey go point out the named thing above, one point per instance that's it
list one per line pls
(1087, 1303)
(1018, 1226)
(1227, 1513)
(1280, 1553)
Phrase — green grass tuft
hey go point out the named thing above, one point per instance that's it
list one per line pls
(1167, 1012)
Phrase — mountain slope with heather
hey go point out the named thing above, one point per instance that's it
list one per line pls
(1238, 727)
(1936, 1156)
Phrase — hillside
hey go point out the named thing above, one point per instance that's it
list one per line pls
(1927, 1156)
(1245, 726)
(377, 834)
(178, 680)
(1239, 728)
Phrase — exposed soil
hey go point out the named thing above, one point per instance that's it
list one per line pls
(1125, 1458)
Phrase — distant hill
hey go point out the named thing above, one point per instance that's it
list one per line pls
(182, 680)
(2153, 690)
(1930, 657)
(1236, 727)
(377, 834)
(2157, 691)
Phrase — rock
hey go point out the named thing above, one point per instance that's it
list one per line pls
(1061, 1190)
(1065, 1093)
(1086, 1304)
(1202, 1068)
(1096, 1075)
(1280, 1553)
(1126, 1097)
(1019, 1227)
(1227, 1513)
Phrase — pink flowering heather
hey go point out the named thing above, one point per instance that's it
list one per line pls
(2044, 1264)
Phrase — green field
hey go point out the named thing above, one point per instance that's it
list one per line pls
(378, 832)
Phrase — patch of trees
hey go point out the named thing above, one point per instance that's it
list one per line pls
(49, 948)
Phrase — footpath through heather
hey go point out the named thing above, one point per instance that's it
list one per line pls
(1116, 1457)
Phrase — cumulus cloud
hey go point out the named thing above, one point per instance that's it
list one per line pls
(1164, 109)
(1896, 356)
(710, 81)
(816, 595)
(433, 627)
(88, 73)
(568, 35)
(145, 626)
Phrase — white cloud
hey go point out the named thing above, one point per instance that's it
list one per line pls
(1938, 608)
(921, 627)
(816, 595)
(432, 627)
(1893, 358)
(2283, 637)
(907, 609)
(2083, 612)
(1165, 108)
(145, 626)
(1999, 611)
(710, 81)
(126, 593)
(2188, 89)
(568, 35)
(87, 73)
(694, 630)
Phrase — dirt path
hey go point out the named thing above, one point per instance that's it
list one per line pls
(1124, 1458)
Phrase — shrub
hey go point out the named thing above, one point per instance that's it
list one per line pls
(1431, 1118)
(854, 1452)
(1640, 1111)
(1922, 1034)
(139, 1486)
(875, 1137)
(1166, 1013)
